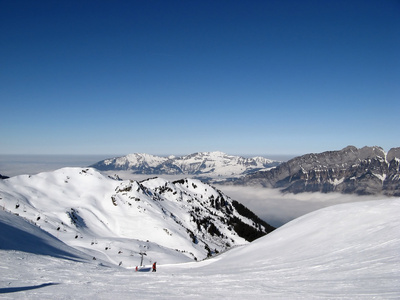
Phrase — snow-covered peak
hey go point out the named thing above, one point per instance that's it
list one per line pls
(202, 164)
(171, 221)
(214, 154)
(263, 160)
(135, 159)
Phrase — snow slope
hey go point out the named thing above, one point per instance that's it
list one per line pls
(354, 246)
(117, 220)
(349, 251)
(19, 234)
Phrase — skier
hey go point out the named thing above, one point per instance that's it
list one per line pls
(154, 267)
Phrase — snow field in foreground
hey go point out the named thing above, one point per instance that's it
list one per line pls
(347, 251)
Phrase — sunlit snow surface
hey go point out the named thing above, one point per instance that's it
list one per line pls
(346, 251)
(116, 220)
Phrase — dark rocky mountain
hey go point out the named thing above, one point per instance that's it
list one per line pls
(3, 177)
(364, 171)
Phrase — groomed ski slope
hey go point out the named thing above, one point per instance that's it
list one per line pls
(349, 251)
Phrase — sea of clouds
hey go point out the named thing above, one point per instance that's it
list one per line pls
(278, 208)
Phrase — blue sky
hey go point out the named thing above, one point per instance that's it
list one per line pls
(177, 77)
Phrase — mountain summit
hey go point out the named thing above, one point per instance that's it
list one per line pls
(118, 220)
(202, 164)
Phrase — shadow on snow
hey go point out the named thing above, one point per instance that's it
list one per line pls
(24, 288)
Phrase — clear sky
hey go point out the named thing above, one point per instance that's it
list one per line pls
(177, 77)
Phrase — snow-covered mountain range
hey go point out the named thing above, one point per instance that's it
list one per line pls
(201, 164)
(348, 251)
(364, 171)
(116, 220)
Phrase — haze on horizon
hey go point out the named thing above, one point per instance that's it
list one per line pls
(281, 77)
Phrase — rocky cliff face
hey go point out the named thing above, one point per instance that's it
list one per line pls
(363, 171)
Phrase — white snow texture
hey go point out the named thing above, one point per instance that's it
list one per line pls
(347, 251)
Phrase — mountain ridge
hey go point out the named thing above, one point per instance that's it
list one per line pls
(363, 171)
(170, 221)
(202, 164)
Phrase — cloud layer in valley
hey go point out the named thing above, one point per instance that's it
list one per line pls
(278, 208)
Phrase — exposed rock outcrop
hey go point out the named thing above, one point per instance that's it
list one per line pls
(364, 171)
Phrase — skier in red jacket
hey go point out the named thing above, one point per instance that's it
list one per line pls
(154, 267)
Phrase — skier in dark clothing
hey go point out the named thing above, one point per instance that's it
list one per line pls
(154, 267)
